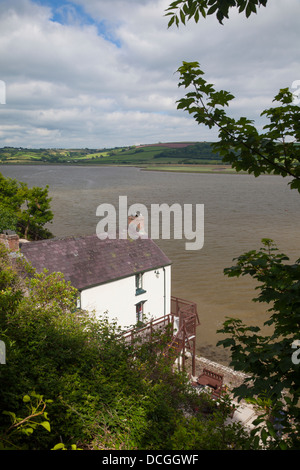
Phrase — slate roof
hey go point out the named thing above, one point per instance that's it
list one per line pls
(88, 261)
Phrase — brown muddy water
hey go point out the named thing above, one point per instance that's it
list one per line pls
(239, 211)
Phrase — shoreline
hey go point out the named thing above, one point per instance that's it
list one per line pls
(189, 169)
(202, 169)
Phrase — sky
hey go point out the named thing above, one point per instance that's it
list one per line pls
(102, 73)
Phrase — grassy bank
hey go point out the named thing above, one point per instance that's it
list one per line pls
(207, 168)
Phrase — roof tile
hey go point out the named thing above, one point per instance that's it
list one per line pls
(88, 261)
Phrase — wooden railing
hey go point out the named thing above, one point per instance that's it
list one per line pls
(184, 341)
(183, 321)
(147, 331)
(182, 309)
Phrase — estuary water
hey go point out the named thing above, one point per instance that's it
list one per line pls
(239, 210)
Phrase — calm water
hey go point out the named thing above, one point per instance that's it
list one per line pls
(240, 210)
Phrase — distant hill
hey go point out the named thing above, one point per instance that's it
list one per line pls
(149, 154)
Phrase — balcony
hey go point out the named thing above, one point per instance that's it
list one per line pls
(183, 321)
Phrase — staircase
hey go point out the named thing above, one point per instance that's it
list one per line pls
(186, 320)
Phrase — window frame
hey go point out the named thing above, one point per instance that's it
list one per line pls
(140, 313)
(139, 281)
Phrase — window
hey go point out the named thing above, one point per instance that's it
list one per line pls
(139, 312)
(139, 284)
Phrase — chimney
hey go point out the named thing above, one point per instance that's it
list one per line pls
(137, 220)
(10, 240)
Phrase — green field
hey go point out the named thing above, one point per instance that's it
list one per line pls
(189, 156)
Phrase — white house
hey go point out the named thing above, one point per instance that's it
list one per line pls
(128, 279)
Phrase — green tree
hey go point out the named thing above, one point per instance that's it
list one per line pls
(269, 359)
(8, 219)
(276, 150)
(25, 209)
(11, 287)
(36, 213)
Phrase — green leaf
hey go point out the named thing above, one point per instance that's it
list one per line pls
(264, 436)
(271, 429)
(212, 9)
(182, 17)
(59, 447)
(171, 21)
(282, 445)
(46, 425)
(11, 414)
(28, 431)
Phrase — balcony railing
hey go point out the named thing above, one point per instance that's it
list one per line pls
(184, 341)
(183, 321)
(146, 332)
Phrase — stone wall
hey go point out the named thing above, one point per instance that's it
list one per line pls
(232, 378)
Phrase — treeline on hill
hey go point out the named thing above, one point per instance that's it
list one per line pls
(174, 153)
(25, 155)
(192, 153)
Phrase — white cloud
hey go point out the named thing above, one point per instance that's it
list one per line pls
(103, 75)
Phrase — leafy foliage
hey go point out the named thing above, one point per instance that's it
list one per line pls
(36, 416)
(26, 210)
(273, 382)
(184, 10)
(276, 150)
(8, 219)
(101, 391)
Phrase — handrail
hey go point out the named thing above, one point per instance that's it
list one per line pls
(156, 322)
(186, 313)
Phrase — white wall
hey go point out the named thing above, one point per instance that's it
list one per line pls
(119, 299)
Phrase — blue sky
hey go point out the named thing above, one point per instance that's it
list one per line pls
(67, 12)
(70, 13)
(102, 73)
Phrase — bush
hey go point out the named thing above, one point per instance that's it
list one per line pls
(101, 392)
